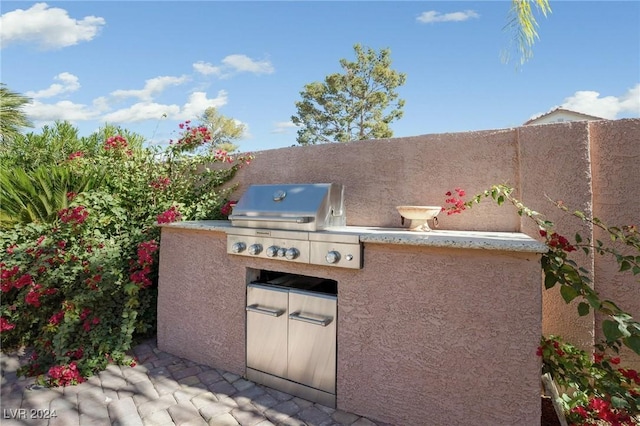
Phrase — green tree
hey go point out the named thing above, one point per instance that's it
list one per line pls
(12, 118)
(224, 130)
(523, 26)
(358, 104)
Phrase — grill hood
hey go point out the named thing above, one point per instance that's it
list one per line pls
(303, 207)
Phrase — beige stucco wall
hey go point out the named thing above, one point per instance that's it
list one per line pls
(555, 164)
(591, 166)
(379, 175)
(421, 330)
(616, 199)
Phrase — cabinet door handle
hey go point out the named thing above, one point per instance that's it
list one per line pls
(321, 322)
(265, 311)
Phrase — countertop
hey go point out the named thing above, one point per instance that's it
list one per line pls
(504, 241)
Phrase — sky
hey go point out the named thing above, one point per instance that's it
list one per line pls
(150, 65)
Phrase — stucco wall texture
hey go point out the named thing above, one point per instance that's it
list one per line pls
(450, 334)
(421, 330)
(590, 165)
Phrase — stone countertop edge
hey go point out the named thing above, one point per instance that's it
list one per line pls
(503, 241)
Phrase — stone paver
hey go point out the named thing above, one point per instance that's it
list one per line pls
(162, 389)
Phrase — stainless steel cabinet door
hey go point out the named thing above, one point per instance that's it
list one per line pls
(267, 329)
(312, 339)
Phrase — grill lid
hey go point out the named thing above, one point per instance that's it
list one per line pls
(308, 207)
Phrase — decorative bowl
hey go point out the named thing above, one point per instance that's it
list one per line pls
(419, 216)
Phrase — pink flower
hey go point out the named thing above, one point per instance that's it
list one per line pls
(228, 207)
(56, 318)
(580, 411)
(145, 252)
(5, 325)
(160, 183)
(598, 404)
(73, 215)
(77, 154)
(85, 313)
(33, 297)
(169, 216)
(457, 205)
(63, 375)
(115, 142)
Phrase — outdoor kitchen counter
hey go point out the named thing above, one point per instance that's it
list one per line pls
(503, 241)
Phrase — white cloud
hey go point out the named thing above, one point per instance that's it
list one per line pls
(69, 83)
(233, 64)
(140, 112)
(283, 127)
(63, 110)
(152, 87)
(243, 63)
(198, 102)
(434, 16)
(206, 68)
(49, 28)
(590, 102)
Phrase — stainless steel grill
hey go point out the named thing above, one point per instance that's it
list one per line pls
(295, 223)
(309, 207)
(292, 319)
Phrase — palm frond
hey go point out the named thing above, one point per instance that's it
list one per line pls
(38, 196)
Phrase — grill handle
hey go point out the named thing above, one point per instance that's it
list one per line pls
(264, 311)
(294, 219)
(321, 322)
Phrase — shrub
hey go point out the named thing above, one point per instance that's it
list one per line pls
(80, 284)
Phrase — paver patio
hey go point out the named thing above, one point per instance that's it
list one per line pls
(161, 390)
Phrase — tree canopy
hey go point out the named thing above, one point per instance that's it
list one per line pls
(224, 130)
(359, 103)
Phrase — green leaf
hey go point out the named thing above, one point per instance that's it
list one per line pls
(618, 402)
(633, 343)
(549, 280)
(578, 238)
(500, 200)
(624, 266)
(611, 330)
(583, 309)
(568, 293)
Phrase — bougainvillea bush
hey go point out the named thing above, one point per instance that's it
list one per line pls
(596, 388)
(78, 286)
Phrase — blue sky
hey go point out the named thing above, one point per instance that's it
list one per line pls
(147, 65)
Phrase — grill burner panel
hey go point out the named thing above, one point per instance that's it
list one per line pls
(325, 248)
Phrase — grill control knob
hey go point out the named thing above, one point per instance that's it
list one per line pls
(255, 249)
(238, 247)
(272, 251)
(292, 253)
(332, 257)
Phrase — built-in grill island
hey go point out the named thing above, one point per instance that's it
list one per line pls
(386, 323)
(292, 319)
